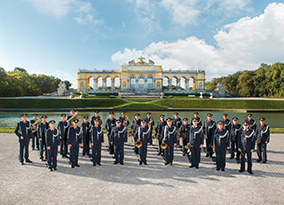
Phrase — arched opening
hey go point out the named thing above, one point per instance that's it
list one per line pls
(165, 83)
(141, 83)
(99, 82)
(174, 83)
(183, 83)
(132, 82)
(191, 83)
(108, 83)
(117, 83)
(91, 83)
(150, 82)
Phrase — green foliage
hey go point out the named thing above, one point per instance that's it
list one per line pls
(19, 83)
(266, 81)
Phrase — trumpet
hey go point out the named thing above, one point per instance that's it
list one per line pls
(213, 149)
(72, 118)
(154, 136)
(164, 145)
(138, 143)
(35, 125)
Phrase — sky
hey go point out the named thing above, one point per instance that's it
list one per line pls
(57, 37)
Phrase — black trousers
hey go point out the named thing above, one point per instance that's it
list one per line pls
(96, 153)
(24, 146)
(110, 146)
(195, 155)
(86, 145)
(220, 157)
(63, 146)
(209, 149)
(43, 148)
(35, 140)
(262, 148)
(52, 157)
(183, 146)
(143, 153)
(233, 148)
(119, 153)
(169, 154)
(74, 154)
(249, 160)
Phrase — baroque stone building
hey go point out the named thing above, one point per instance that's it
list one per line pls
(141, 78)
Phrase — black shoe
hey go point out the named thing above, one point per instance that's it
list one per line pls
(66, 156)
(207, 155)
(250, 172)
(238, 159)
(72, 166)
(33, 148)
(231, 158)
(211, 155)
(258, 160)
(159, 153)
(145, 163)
(21, 163)
(55, 169)
(62, 156)
(115, 162)
(94, 164)
(183, 154)
(197, 167)
(140, 163)
(83, 154)
(171, 164)
(166, 163)
(241, 170)
(77, 165)
(121, 163)
(29, 161)
(223, 170)
(264, 162)
(218, 169)
(51, 169)
(99, 164)
(191, 166)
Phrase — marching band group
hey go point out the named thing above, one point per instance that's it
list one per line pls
(189, 135)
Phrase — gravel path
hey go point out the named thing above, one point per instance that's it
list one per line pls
(134, 184)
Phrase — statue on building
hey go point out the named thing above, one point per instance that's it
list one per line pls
(132, 62)
(220, 89)
(151, 62)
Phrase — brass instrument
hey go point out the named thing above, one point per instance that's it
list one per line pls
(164, 145)
(72, 118)
(131, 133)
(138, 143)
(35, 125)
(154, 136)
(125, 121)
(187, 147)
(183, 136)
(213, 149)
(205, 137)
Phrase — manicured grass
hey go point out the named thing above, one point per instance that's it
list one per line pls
(142, 106)
(277, 130)
(60, 103)
(221, 104)
(7, 130)
(141, 99)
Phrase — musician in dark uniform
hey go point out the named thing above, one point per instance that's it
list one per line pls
(177, 123)
(118, 139)
(23, 131)
(53, 143)
(251, 122)
(221, 141)
(196, 117)
(96, 117)
(209, 128)
(72, 112)
(143, 134)
(183, 133)
(63, 129)
(170, 138)
(97, 140)
(74, 142)
(134, 126)
(236, 127)
(110, 123)
(227, 123)
(124, 119)
(159, 132)
(35, 140)
(150, 120)
(42, 129)
(195, 139)
(86, 136)
(246, 146)
(262, 139)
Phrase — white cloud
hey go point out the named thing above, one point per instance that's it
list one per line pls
(83, 10)
(244, 44)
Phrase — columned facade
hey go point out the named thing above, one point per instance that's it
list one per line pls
(140, 77)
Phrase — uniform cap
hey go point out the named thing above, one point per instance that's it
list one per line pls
(44, 116)
(194, 120)
(148, 113)
(196, 113)
(86, 117)
(225, 114)
(245, 124)
(176, 113)
(137, 114)
(209, 115)
(162, 115)
(34, 114)
(220, 122)
(185, 119)
(235, 119)
(52, 122)
(169, 119)
(262, 119)
(24, 115)
(76, 120)
(249, 115)
(111, 113)
(63, 115)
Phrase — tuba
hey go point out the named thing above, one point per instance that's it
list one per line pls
(34, 128)
(138, 143)
(164, 145)
(125, 121)
(72, 118)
